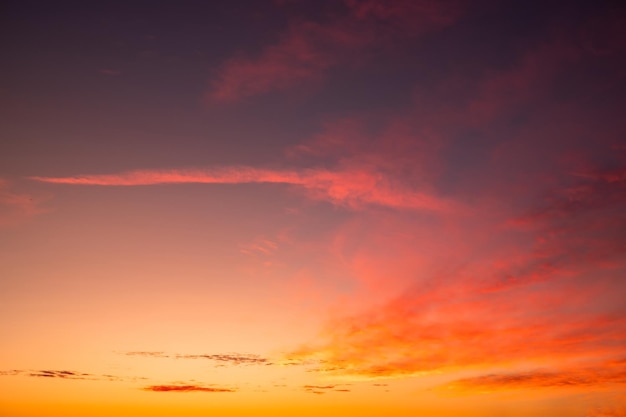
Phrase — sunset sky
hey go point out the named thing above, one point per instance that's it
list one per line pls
(313, 207)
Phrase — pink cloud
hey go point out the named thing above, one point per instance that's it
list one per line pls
(307, 50)
(304, 53)
(495, 296)
(15, 207)
(410, 16)
(230, 175)
(350, 187)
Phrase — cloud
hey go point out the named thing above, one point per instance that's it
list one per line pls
(319, 387)
(575, 378)
(323, 389)
(230, 175)
(11, 372)
(352, 187)
(530, 269)
(308, 49)
(547, 291)
(229, 358)
(64, 374)
(186, 388)
(607, 412)
(16, 207)
(60, 374)
(232, 359)
(304, 53)
(260, 246)
(148, 354)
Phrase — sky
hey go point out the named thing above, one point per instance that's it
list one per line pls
(303, 207)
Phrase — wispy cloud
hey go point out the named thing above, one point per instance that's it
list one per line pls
(351, 187)
(232, 359)
(308, 49)
(186, 388)
(323, 389)
(259, 246)
(65, 374)
(148, 354)
(573, 378)
(60, 374)
(15, 207)
(522, 294)
(228, 358)
(616, 411)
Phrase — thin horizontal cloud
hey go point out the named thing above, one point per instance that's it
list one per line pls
(615, 411)
(229, 175)
(65, 374)
(353, 187)
(323, 389)
(148, 354)
(228, 358)
(186, 388)
(232, 359)
(578, 378)
(60, 374)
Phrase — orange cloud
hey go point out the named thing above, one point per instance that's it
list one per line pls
(573, 378)
(608, 412)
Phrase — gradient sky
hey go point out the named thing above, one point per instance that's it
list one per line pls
(335, 207)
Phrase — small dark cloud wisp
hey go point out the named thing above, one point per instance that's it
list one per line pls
(186, 388)
(222, 359)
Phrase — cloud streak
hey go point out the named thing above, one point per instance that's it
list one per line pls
(186, 388)
(350, 187)
(574, 378)
(228, 358)
(65, 374)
